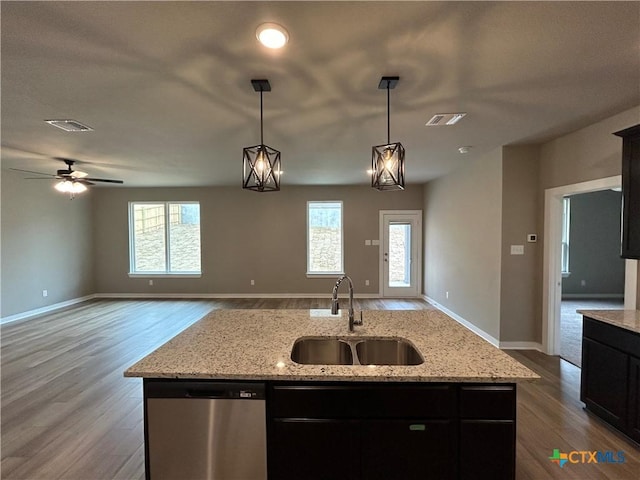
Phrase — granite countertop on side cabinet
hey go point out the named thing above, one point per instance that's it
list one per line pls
(256, 345)
(627, 319)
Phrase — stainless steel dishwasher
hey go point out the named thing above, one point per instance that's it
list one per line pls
(205, 430)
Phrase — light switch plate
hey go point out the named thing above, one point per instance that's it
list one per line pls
(375, 242)
(517, 249)
(367, 242)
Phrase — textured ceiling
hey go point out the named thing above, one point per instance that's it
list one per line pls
(166, 85)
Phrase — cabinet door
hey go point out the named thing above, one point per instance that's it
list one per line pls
(487, 449)
(313, 449)
(633, 422)
(630, 192)
(603, 386)
(408, 449)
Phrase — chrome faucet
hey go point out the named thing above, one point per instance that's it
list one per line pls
(335, 305)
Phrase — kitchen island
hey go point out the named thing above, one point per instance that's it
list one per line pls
(447, 417)
(610, 376)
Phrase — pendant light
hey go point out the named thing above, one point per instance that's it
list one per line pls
(387, 161)
(261, 163)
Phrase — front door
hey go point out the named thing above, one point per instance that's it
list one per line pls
(400, 253)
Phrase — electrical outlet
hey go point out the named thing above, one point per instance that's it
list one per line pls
(446, 294)
(583, 283)
(150, 282)
(253, 282)
(45, 293)
(366, 282)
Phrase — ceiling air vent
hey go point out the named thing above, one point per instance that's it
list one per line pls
(445, 119)
(69, 125)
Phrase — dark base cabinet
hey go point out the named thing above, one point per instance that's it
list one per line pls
(610, 377)
(374, 431)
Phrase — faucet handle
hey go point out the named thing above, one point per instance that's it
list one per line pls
(335, 306)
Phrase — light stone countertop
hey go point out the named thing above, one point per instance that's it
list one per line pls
(256, 345)
(627, 319)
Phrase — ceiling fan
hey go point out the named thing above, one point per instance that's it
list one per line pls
(71, 181)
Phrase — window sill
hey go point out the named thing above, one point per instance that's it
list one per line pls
(164, 275)
(325, 275)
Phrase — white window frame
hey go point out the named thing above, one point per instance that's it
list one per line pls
(317, 274)
(165, 273)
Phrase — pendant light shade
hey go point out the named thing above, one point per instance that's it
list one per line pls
(261, 163)
(387, 161)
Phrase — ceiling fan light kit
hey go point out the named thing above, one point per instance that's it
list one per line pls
(71, 181)
(387, 161)
(260, 163)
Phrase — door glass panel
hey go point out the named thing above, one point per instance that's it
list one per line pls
(399, 255)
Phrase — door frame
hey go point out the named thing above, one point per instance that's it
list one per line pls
(552, 274)
(417, 263)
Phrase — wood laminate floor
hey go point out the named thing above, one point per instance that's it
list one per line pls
(68, 413)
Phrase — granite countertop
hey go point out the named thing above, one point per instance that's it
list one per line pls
(256, 345)
(627, 319)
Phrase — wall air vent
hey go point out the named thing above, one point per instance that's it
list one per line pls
(447, 119)
(69, 125)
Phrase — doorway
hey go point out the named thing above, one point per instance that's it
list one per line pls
(400, 253)
(592, 270)
(552, 272)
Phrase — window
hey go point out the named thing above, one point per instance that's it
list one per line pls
(164, 238)
(566, 218)
(324, 238)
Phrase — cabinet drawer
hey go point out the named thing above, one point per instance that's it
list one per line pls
(361, 401)
(491, 402)
(616, 337)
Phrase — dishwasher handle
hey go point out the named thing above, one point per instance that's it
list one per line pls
(193, 393)
(204, 389)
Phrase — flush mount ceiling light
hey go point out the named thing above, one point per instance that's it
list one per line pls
(445, 119)
(69, 125)
(272, 35)
(387, 161)
(464, 150)
(261, 163)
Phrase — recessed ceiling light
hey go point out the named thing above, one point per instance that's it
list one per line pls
(445, 119)
(272, 35)
(464, 150)
(69, 125)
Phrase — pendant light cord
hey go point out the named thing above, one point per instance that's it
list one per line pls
(388, 121)
(261, 128)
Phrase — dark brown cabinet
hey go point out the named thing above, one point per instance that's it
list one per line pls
(610, 377)
(630, 191)
(386, 431)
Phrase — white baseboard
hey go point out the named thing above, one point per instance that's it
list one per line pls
(229, 295)
(521, 346)
(43, 310)
(478, 331)
(596, 296)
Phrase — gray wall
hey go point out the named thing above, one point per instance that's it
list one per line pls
(474, 215)
(247, 236)
(594, 245)
(462, 246)
(46, 245)
(520, 308)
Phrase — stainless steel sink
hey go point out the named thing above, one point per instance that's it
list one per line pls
(387, 351)
(322, 351)
(355, 351)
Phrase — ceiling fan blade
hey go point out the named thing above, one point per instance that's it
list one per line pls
(78, 174)
(38, 178)
(31, 171)
(102, 180)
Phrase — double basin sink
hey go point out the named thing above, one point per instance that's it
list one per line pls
(355, 351)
